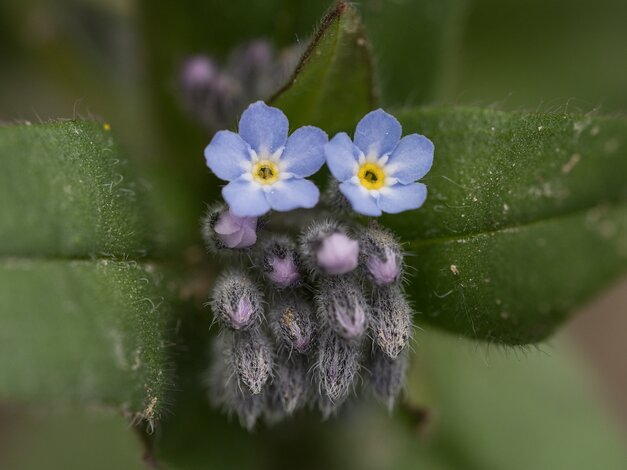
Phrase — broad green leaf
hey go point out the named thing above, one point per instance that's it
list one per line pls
(68, 439)
(415, 45)
(559, 65)
(66, 190)
(525, 219)
(83, 332)
(332, 86)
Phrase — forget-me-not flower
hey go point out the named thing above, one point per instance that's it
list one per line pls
(378, 172)
(264, 167)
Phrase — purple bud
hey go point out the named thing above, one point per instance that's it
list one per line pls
(387, 376)
(280, 261)
(198, 72)
(341, 305)
(236, 232)
(337, 366)
(391, 320)
(223, 231)
(381, 255)
(327, 249)
(292, 323)
(251, 357)
(236, 301)
(337, 254)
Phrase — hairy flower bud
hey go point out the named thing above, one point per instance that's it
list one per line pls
(236, 301)
(251, 356)
(223, 231)
(291, 383)
(387, 375)
(341, 305)
(292, 322)
(381, 256)
(225, 390)
(391, 320)
(280, 261)
(336, 366)
(328, 249)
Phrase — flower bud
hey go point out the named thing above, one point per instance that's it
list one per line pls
(291, 383)
(280, 261)
(236, 301)
(293, 324)
(387, 376)
(251, 356)
(223, 231)
(381, 255)
(336, 367)
(208, 93)
(341, 305)
(391, 320)
(328, 249)
(226, 392)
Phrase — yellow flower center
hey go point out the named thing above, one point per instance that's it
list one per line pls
(265, 172)
(371, 176)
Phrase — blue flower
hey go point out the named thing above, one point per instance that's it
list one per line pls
(378, 172)
(264, 167)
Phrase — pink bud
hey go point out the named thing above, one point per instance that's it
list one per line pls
(198, 71)
(284, 272)
(351, 319)
(384, 271)
(236, 232)
(337, 254)
(241, 316)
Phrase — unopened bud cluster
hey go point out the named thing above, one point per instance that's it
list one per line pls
(304, 317)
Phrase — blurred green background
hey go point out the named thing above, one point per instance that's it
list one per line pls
(560, 405)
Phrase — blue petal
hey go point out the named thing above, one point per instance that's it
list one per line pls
(227, 155)
(245, 198)
(360, 198)
(377, 133)
(401, 197)
(263, 127)
(292, 194)
(304, 151)
(411, 159)
(342, 156)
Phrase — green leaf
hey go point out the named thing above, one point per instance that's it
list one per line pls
(415, 46)
(525, 219)
(83, 332)
(66, 190)
(493, 409)
(74, 329)
(68, 439)
(332, 86)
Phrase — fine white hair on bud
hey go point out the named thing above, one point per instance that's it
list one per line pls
(223, 232)
(280, 261)
(225, 391)
(342, 306)
(381, 257)
(327, 248)
(251, 357)
(387, 375)
(291, 383)
(391, 320)
(337, 365)
(292, 323)
(236, 300)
